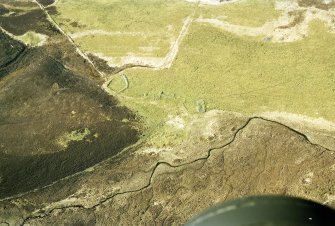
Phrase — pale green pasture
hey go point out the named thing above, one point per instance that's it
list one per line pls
(245, 12)
(238, 74)
(122, 45)
(161, 20)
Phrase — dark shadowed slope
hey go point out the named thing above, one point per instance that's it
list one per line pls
(54, 123)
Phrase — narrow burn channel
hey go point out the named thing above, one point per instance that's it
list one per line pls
(11, 51)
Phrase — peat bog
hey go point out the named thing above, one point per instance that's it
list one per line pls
(41, 100)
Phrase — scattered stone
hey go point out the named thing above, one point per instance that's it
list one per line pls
(201, 106)
(55, 86)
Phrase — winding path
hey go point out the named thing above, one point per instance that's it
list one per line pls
(279, 30)
(105, 33)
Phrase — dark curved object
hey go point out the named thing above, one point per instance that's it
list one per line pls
(266, 211)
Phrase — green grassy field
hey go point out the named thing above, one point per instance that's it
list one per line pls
(226, 71)
(30, 38)
(122, 45)
(237, 74)
(161, 20)
(120, 15)
(246, 12)
(76, 135)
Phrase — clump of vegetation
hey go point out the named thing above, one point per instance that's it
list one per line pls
(299, 16)
(201, 107)
(76, 135)
(4, 10)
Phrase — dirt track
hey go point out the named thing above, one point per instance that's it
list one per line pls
(280, 30)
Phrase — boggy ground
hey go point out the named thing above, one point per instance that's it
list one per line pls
(53, 121)
(226, 156)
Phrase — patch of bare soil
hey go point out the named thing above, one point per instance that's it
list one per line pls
(291, 26)
(298, 17)
(320, 4)
(102, 64)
